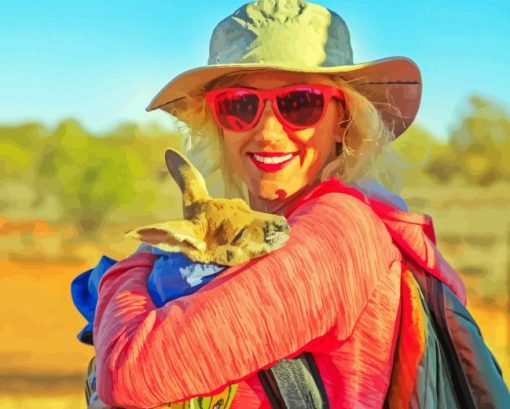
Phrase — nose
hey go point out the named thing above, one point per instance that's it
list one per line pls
(281, 227)
(269, 128)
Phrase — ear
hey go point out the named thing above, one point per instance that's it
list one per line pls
(188, 178)
(174, 236)
(340, 135)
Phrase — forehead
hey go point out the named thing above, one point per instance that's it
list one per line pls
(272, 79)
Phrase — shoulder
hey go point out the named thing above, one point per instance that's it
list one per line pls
(343, 207)
(333, 196)
(346, 221)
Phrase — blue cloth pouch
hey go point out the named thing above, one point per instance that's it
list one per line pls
(173, 275)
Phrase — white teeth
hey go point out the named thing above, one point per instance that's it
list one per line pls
(272, 159)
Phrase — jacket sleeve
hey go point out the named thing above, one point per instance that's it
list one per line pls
(300, 296)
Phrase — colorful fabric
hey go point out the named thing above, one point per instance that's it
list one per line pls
(84, 295)
(345, 316)
(144, 360)
(412, 233)
(222, 400)
(173, 276)
(420, 378)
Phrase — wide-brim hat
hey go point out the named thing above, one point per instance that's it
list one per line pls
(297, 36)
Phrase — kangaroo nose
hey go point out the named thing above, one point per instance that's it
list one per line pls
(280, 227)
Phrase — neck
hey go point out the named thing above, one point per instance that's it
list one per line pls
(279, 206)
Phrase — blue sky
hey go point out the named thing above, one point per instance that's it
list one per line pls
(102, 61)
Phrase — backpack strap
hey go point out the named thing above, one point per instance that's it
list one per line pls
(476, 376)
(294, 384)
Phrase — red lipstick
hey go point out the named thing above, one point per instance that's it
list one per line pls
(271, 167)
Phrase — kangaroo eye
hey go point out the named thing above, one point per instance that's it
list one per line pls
(238, 235)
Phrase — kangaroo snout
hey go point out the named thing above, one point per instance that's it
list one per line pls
(277, 226)
(276, 232)
(280, 226)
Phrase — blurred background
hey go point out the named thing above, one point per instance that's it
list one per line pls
(81, 162)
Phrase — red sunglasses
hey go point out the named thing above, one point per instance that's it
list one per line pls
(296, 106)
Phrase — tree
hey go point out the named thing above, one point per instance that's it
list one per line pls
(422, 157)
(19, 146)
(94, 176)
(89, 176)
(481, 142)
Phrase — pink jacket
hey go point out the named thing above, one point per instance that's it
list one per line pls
(332, 290)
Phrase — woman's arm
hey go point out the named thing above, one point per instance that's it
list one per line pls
(247, 318)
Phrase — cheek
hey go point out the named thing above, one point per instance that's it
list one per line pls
(305, 135)
(232, 147)
(318, 146)
(320, 140)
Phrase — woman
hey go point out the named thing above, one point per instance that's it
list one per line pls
(280, 109)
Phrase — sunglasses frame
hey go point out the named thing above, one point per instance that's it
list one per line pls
(327, 92)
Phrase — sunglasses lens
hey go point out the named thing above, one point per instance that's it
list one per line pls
(236, 110)
(301, 107)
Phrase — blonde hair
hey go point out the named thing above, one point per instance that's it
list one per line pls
(366, 135)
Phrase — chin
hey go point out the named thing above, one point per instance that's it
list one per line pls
(265, 189)
(267, 194)
(274, 190)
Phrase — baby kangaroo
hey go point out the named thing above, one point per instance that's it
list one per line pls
(225, 232)
(221, 231)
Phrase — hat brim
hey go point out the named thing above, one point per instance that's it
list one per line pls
(393, 85)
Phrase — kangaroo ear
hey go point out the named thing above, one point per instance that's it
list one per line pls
(175, 236)
(188, 178)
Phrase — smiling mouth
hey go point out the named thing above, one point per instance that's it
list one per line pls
(271, 161)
